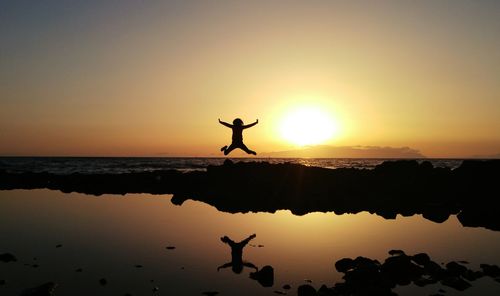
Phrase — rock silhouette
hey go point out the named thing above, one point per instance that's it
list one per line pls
(265, 276)
(7, 257)
(365, 276)
(404, 187)
(46, 289)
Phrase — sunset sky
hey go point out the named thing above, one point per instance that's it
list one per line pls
(151, 78)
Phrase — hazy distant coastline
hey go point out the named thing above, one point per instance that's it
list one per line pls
(326, 151)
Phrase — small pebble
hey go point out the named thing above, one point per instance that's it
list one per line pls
(103, 282)
(138, 266)
(2, 282)
(287, 287)
(170, 248)
(7, 257)
(279, 292)
(210, 293)
(308, 281)
(35, 265)
(156, 289)
(59, 245)
(79, 270)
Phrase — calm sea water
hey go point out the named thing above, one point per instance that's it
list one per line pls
(108, 236)
(118, 165)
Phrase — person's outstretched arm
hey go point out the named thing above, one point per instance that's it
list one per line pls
(251, 124)
(248, 239)
(225, 239)
(225, 123)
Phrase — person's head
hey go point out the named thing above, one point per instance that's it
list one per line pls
(238, 122)
(237, 268)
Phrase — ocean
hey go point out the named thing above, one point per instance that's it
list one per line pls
(120, 165)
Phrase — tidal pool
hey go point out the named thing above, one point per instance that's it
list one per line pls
(107, 236)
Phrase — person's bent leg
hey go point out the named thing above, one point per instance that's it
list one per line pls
(245, 148)
(229, 149)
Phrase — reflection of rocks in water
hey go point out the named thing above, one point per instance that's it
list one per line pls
(490, 270)
(46, 289)
(7, 257)
(404, 187)
(265, 276)
(306, 290)
(364, 276)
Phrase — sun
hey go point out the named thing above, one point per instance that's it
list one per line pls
(308, 126)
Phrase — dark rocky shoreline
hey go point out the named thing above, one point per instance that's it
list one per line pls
(404, 187)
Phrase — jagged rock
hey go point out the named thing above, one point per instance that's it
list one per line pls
(265, 276)
(455, 269)
(7, 257)
(421, 259)
(306, 290)
(435, 193)
(396, 252)
(490, 270)
(401, 270)
(344, 264)
(325, 291)
(46, 289)
(456, 283)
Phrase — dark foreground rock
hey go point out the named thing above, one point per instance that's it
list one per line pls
(365, 276)
(7, 257)
(404, 187)
(265, 276)
(46, 289)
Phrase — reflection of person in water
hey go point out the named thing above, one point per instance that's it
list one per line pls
(237, 262)
(237, 142)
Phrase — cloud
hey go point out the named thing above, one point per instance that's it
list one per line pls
(324, 151)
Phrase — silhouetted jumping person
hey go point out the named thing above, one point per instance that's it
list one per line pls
(237, 262)
(237, 142)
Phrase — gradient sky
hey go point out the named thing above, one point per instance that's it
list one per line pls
(152, 77)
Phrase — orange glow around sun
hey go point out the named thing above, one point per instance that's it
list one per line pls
(308, 125)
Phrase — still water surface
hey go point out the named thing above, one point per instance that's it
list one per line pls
(107, 236)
